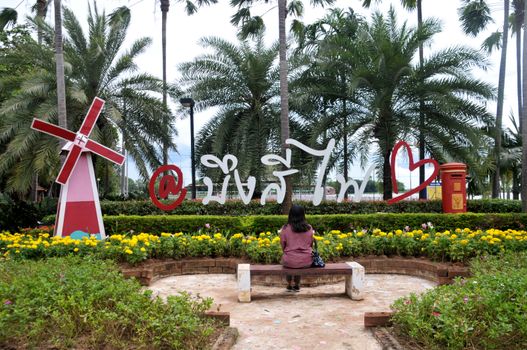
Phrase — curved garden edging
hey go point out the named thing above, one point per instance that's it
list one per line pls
(152, 270)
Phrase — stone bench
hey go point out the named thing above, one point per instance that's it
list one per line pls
(353, 271)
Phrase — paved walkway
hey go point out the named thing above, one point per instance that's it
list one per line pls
(314, 318)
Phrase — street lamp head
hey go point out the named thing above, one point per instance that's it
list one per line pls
(187, 102)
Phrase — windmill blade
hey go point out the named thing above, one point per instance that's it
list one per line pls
(105, 152)
(91, 116)
(69, 164)
(53, 130)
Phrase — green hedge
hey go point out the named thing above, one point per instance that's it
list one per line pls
(343, 222)
(21, 214)
(236, 208)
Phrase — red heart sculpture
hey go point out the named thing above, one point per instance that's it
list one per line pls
(412, 166)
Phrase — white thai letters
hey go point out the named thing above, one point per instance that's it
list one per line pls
(211, 161)
(273, 159)
(358, 191)
(230, 162)
(319, 190)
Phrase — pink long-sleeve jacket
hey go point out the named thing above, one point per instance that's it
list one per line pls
(296, 247)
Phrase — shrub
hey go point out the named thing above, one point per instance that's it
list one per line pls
(16, 215)
(235, 207)
(65, 303)
(343, 222)
(488, 311)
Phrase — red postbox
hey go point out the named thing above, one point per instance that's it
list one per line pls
(453, 187)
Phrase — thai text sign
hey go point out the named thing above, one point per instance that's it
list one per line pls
(228, 166)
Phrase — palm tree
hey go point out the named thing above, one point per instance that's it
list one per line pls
(241, 80)
(94, 67)
(320, 94)
(387, 89)
(516, 22)
(59, 62)
(251, 25)
(416, 5)
(524, 118)
(474, 15)
(8, 17)
(191, 8)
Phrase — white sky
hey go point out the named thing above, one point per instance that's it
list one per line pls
(183, 33)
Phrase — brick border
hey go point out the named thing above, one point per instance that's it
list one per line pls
(152, 270)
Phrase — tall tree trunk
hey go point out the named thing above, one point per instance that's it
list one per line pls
(515, 183)
(284, 100)
(422, 193)
(519, 22)
(42, 9)
(499, 111)
(524, 117)
(387, 175)
(165, 4)
(345, 112)
(59, 62)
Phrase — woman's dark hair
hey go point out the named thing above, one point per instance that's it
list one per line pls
(297, 219)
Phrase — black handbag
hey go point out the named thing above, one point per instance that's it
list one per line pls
(317, 260)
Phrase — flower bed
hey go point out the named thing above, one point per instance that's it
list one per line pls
(487, 311)
(456, 245)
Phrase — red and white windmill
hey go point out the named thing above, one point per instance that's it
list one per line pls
(79, 209)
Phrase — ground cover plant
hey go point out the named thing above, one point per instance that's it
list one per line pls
(441, 245)
(83, 303)
(487, 311)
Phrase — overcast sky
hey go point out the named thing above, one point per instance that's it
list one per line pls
(183, 33)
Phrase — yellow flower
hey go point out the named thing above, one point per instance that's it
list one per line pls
(143, 249)
(464, 241)
(128, 251)
(76, 249)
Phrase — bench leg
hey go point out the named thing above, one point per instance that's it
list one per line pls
(355, 282)
(244, 283)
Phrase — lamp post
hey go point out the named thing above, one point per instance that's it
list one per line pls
(189, 102)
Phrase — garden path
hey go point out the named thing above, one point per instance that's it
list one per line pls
(314, 318)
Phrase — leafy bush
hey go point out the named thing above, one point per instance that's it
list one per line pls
(343, 222)
(65, 303)
(488, 311)
(14, 216)
(238, 208)
(235, 207)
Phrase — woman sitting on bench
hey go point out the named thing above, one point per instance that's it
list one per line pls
(296, 238)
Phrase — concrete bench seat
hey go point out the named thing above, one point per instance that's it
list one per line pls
(353, 271)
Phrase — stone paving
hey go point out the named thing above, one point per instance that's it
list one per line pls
(314, 318)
